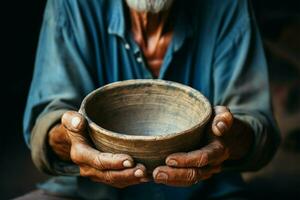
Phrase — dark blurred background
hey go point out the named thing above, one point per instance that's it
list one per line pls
(279, 22)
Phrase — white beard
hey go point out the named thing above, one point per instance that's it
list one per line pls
(153, 6)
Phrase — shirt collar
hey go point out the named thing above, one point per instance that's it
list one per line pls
(183, 23)
(116, 18)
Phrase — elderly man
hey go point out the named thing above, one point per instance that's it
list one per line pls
(211, 45)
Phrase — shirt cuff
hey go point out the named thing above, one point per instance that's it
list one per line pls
(43, 158)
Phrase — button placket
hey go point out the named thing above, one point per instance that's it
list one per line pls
(139, 59)
(127, 46)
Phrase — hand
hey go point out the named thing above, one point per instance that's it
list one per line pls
(229, 139)
(70, 142)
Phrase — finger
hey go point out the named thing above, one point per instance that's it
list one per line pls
(83, 154)
(222, 121)
(74, 121)
(118, 178)
(75, 124)
(183, 176)
(213, 153)
(221, 109)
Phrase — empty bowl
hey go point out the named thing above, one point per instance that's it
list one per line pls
(147, 119)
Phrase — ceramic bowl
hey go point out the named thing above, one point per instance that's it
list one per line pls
(147, 119)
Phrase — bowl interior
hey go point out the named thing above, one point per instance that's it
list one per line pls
(146, 108)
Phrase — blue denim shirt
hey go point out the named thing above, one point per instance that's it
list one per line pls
(216, 49)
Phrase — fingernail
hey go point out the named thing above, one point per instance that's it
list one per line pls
(127, 163)
(162, 176)
(221, 126)
(75, 122)
(145, 180)
(138, 173)
(172, 162)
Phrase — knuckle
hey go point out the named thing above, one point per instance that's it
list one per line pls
(76, 153)
(84, 172)
(65, 119)
(203, 160)
(75, 157)
(192, 176)
(98, 162)
(109, 178)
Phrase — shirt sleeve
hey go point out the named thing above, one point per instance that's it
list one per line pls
(241, 83)
(62, 77)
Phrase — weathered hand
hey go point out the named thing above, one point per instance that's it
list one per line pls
(184, 169)
(69, 142)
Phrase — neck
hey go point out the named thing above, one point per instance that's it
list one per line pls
(153, 33)
(148, 25)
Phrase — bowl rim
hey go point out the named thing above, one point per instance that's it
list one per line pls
(195, 93)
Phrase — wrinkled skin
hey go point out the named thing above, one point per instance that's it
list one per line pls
(69, 142)
(230, 139)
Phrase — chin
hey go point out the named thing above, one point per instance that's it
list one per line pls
(152, 6)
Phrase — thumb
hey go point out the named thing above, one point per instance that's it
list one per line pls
(75, 124)
(222, 121)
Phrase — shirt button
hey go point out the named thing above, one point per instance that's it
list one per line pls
(127, 46)
(139, 60)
